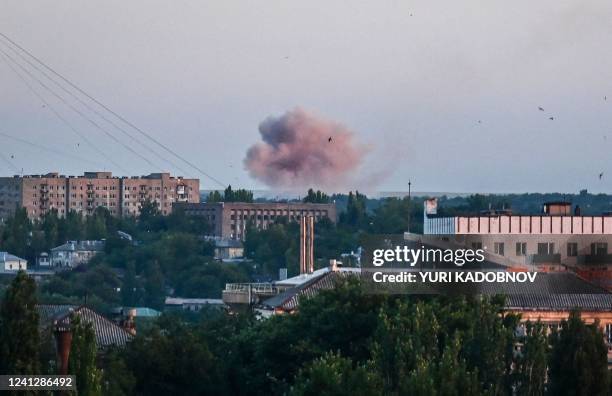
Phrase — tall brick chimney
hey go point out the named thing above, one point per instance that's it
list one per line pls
(306, 245)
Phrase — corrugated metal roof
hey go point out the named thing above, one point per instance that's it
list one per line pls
(550, 291)
(5, 256)
(107, 332)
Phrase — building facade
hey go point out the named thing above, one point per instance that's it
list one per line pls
(122, 196)
(74, 253)
(230, 219)
(9, 262)
(555, 240)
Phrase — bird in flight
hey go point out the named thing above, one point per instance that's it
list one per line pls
(480, 122)
(330, 139)
(551, 118)
(540, 108)
(600, 175)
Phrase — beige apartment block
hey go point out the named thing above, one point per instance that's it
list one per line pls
(122, 196)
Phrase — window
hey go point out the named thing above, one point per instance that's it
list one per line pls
(477, 245)
(546, 248)
(521, 248)
(599, 248)
(498, 247)
(572, 249)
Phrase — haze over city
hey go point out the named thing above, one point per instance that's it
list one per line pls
(497, 98)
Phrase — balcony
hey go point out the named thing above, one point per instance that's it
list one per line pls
(554, 258)
(595, 259)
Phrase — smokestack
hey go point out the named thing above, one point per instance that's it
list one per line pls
(306, 245)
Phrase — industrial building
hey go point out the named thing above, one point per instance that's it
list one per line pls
(558, 239)
(230, 219)
(122, 196)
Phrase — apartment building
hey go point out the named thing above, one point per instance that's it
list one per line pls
(230, 219)
(122, 196)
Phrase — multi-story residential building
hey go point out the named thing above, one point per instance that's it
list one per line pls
(230, 219)
(122, 196)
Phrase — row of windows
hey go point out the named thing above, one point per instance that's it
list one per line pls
(546, 248)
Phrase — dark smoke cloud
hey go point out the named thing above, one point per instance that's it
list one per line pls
(295, 152)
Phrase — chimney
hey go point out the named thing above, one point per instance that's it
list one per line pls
(63, 340)
(128, 322)
(306, 245)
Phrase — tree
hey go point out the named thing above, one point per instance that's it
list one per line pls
(356, 215)
(316, 197)
(334, 375)
(128, 290)
(82, 361)
(19, 336)
(154, 286)
(532, 360)
(578, 362)
(16, 233)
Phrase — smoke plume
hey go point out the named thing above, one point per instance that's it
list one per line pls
(296, 152)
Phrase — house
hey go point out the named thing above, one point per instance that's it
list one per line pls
(55, 324)
(9, 262)
(74, 253)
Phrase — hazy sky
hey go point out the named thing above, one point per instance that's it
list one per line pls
(411, 79)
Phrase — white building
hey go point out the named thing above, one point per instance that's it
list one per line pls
(9, 262)
(74, 253)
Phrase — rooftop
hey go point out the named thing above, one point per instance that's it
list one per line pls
(58, 317)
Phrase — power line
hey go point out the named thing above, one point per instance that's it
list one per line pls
(118, 116)
(80, 113)
(60, 117)
(49, 149)
(92, 109)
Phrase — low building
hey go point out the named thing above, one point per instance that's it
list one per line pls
(228, 249)
(43, 260)
(192, 304)
(229, 220)
(74, 253)
(9, 262)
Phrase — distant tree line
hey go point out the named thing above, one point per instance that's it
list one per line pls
(229, 195)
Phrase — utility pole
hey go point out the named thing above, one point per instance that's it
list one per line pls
(409, 203)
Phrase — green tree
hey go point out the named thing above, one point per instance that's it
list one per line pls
(15, 238)
(154, 286)
(82, 362)
(316, 197)
(532, 361)
(578, 362)
(334, 375)
(19, 336)
(356, 215)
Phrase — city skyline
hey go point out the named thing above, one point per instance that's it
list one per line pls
(443, 96)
